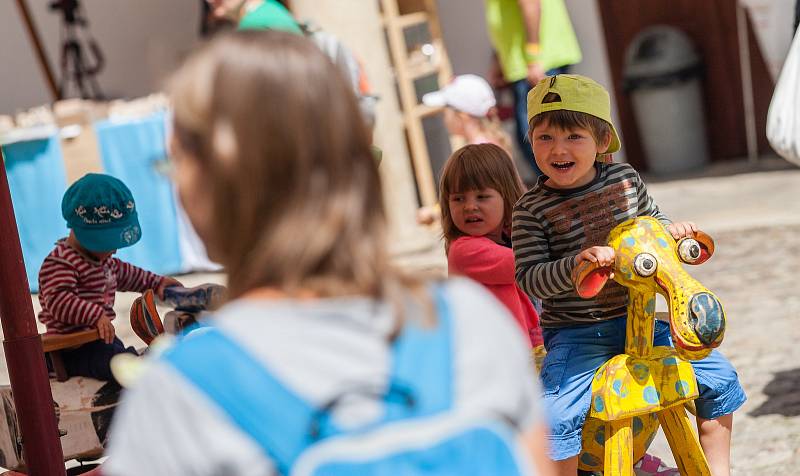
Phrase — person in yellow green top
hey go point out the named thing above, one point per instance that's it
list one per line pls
(532, 38)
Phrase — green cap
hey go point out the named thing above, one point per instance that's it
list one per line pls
(101, 212)
(578, 93)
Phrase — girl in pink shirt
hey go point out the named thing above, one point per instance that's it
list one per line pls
(477, 192)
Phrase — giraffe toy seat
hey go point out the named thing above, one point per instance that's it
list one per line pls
(634, 392)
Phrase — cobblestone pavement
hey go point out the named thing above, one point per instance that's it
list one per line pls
(754, 274)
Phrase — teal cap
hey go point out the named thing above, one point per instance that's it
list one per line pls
(101, 212)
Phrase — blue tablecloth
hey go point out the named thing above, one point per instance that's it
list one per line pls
(37, 181)
(128, 151)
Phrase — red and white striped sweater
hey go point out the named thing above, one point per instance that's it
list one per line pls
(75, 291)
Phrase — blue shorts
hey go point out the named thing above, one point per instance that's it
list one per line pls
(575, 353)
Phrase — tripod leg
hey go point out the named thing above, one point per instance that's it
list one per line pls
(71, 69)
(63, 82)
(80, 72)
(683, 442)
(97, 94)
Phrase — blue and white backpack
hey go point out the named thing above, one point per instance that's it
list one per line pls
(420, 433)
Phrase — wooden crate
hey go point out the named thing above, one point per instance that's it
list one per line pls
(84, 408)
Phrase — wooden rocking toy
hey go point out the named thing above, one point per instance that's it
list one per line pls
(633, 392)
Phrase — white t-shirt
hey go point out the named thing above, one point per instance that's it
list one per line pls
(318, 348)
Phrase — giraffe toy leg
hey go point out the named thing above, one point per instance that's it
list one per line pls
(619, 447)
(683, 442)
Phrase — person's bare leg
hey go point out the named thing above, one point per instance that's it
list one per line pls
(715, 438)
(567, 467)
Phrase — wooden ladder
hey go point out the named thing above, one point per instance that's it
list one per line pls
(432, 60)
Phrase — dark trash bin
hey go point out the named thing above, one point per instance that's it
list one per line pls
(662, 76)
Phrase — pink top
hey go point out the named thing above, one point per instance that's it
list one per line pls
(492, 265)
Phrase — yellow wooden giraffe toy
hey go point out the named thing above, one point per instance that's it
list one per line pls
(633, 392)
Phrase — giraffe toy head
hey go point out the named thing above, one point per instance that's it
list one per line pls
(647, 261)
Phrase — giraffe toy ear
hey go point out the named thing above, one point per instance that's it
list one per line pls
(697, 249)
(706, 245)
(589, 278)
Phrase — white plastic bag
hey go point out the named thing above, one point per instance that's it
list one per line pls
(783, 118)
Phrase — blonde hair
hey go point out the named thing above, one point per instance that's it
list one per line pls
(476, 167)
(295, 192)
(491, 127)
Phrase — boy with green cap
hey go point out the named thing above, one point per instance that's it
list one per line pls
(78, 280)
(564, 220)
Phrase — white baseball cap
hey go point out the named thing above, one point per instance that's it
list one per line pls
(466, 93)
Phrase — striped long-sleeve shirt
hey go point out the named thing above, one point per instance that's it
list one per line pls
(75, 291)
(551, 227)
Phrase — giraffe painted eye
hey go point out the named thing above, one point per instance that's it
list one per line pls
(645, 264)
(689, 250)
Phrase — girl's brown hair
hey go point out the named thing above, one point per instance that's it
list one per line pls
(476, 167)
(294, 189)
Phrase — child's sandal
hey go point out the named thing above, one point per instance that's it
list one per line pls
(145, 321)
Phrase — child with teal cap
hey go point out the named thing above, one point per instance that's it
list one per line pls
(78, 280)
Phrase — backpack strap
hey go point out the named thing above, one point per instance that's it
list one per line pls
(422, 360)
(420, 381)
(278, 419)
(258, 403)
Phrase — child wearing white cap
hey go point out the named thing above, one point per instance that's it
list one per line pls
(470, 111)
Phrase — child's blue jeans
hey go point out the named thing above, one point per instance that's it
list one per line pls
(575, 353)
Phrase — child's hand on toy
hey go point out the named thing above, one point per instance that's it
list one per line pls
(106, 329)
(602, 255)
(682, 229)
(166, 282)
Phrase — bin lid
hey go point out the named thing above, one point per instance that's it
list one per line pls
(659, 51)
